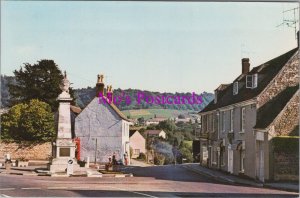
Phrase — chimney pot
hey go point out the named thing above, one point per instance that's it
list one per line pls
(100, 85)
(245, 65)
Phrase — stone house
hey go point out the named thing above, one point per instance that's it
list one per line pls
(137, 143)
(155, 121)
(238, 126)
(155, 133)
(102, 129)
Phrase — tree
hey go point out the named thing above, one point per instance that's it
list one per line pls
(31, 121)
(167, 125)
(186, 151)
(163, 152)
(181, 116)
(141, 120)
(38, 81)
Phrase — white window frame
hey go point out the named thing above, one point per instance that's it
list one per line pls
(223, 121)
(218, 124)
(243, 119)
(251, 81)
(213, 123)
(231, 121)
(254, 85)
(235, 88)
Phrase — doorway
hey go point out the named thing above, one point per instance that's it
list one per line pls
(230, 159)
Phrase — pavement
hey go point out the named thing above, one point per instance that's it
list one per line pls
(42, 171)
(139, 163)
(221, 176)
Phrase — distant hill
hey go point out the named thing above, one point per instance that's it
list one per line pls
(85, 95)
(151, 113)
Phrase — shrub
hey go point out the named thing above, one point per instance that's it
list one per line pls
(142, 156)
(159, 159)
(31, 121)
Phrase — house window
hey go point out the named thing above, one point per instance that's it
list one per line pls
(235, 88)
(136, 151)
(204, 129)
(223, 121)
(207, 123)
(251, 81)
(243, 111)
(231, 120)
(218, 124)
(222, 156)
(213, 123)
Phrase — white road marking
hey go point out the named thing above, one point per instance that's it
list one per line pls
(132, 192)
(79, 187)
(7, 188)
(32, 188)
(57, 188)
(3, 195)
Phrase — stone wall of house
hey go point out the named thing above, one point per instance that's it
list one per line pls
(289, 118)
(289, 76)
(100, 122)
(27, 150)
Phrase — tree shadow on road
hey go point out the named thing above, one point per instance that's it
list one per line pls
(118, 193)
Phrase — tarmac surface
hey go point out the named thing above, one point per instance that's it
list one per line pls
(149, 181)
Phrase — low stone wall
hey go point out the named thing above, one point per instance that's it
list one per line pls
(27, 150)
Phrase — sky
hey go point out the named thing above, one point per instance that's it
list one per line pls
(155, 46)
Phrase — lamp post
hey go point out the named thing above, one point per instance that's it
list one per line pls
(95, 150)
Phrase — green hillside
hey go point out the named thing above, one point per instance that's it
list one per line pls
(149, 113)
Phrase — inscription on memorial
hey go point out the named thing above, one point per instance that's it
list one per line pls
(64, 152)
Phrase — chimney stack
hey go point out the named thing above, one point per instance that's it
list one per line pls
(109, 92)
(216, 96)
(245, 65)
(100, 85)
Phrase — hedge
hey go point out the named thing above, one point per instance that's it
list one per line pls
(287, 144)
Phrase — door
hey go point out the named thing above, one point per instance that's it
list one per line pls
(230, 159)
(260, 170)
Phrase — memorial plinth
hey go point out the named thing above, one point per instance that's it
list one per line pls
(64, 145)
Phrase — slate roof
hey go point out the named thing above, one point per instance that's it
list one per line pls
(266, 72)
(114, 107)
(117, 110)
(269, 111)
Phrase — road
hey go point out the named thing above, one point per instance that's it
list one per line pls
(157, 181)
